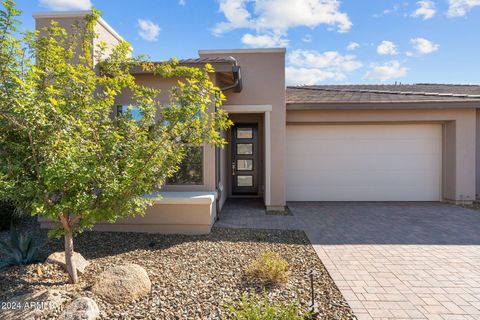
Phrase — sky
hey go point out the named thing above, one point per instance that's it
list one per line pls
(327, 41)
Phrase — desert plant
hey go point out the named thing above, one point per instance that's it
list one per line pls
(19, 249)
(270, 268)
(256, 308)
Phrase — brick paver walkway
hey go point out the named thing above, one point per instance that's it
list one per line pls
(390, 260)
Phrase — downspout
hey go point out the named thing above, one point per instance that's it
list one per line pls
(237, 77)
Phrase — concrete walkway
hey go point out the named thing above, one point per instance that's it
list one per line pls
(389, 260)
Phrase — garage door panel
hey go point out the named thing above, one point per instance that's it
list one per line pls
(363, 147)
(377, 178)
(364, 162)
(362, 194)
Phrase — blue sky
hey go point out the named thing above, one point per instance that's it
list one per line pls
(327, 41)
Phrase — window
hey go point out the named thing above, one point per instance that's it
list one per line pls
(244, 133)
(244, 148)
(244, 165)
(191, 169)
(134, 111)
(244, 181)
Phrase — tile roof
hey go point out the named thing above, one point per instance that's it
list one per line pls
(213, 60)
(208, 60)
(410, 93)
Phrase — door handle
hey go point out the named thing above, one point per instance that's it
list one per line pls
(233, 168)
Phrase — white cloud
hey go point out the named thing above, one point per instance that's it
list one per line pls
(426, 9)
(264, 40)
(307, 38)
(148, 30)
(394, 9)
(182, 2)
(424, 46)
(383, 72)
(387, 48)
(353, 46)
(307, 76)
(280, 15)
(312, 67)
(459, 8)
(65, 5)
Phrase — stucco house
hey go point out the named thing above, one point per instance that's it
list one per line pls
(312, 143)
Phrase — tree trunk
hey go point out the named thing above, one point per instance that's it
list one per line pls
(71, 267)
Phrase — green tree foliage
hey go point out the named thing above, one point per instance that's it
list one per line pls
(63, 152)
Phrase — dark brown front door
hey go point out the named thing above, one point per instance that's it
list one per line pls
(245, 164)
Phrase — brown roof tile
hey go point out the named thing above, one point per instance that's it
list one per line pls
(412, 93)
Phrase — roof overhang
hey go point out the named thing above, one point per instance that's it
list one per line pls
(385, 105)
(227, 73)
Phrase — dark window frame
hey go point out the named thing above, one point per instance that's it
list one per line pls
(186, 162)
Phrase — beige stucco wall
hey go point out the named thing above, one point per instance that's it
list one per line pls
(459, 138)
(67, 20)
(108, 37)
(162, 218)
(478, 153)
(263, 73)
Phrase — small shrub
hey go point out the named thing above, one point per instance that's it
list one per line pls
(269, 269)
(20, 249)
(255, 308)
(7, 214)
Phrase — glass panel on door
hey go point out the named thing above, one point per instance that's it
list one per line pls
(244, 133)
(244, 148)
(244, 181)
(244, 163)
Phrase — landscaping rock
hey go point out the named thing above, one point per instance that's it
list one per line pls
(123, 283)
(59, 258)
(81, 309)
(35, 305)
(192, 277)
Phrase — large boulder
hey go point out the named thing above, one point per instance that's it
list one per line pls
(45, 304)
(81, 309)
(123, 283)
(59, 258)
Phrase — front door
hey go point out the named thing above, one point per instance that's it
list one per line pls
(245, 164)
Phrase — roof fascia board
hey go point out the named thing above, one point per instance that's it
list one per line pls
(76, 14)
(386, 105)
(237, 51)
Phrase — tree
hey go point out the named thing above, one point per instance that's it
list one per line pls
(63, 152)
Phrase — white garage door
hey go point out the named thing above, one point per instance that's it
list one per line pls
(364, 162)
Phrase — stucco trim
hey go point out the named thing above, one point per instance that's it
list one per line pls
(384, 105)
(268, 158)
(184, 197)
(247, 108)
(61, 14)
(76, 14)
(266, 110)
(236, 51)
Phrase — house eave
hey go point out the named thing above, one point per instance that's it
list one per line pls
(384, 105)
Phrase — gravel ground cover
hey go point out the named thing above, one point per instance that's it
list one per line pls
(192, 276)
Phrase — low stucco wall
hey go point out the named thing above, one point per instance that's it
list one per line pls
(459, 129)
(174, 215)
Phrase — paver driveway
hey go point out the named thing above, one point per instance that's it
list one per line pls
(390, 260)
